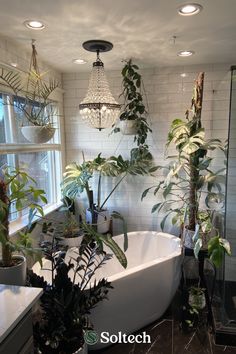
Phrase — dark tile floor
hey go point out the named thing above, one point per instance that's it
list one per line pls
(167, 337)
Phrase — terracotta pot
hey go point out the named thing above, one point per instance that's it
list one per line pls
(128, 127)
(102, 220)
(15, 275)
(38, 135)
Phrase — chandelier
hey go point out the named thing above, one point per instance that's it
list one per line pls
(99, 108)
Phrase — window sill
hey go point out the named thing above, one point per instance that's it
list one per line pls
(20, 223)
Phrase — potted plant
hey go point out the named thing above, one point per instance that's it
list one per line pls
(133, 118)
(77, 177)
(197, 297)
(32, 102)
(65, 227)
(17, 191)
(63, 318)
(189, 180)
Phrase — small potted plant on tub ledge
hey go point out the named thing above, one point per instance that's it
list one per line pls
(63, 225)
(17, 191)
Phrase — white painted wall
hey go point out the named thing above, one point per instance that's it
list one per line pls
(169, 95)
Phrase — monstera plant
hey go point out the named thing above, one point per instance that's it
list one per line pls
(77, 179)
(190, 186)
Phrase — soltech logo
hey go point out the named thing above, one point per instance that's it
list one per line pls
(91, 337)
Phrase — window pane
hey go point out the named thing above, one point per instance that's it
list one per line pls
(38, 166)
(43, 167)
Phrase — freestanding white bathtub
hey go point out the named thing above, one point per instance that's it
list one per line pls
(143, 291)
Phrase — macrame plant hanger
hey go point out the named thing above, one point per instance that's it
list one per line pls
(34, 80)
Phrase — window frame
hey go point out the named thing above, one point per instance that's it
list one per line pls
(56, 164)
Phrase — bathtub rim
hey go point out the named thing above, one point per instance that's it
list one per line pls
(126, 272)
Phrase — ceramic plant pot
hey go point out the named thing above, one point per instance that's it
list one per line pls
(102, 220)
(188, 238)
(15, 275)
(38, 135)
(128, 127)
(72, 241)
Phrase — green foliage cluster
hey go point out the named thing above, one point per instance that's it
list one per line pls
(32, 100)
(67, 301)
(189, 178)
(134, 107)
(18, 189)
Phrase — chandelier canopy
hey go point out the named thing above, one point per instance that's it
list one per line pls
(99, 108)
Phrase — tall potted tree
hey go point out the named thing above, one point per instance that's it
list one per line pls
(17, 190)
(189, 181)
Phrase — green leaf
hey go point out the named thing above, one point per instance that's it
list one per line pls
(197, 247)
(155, 207)
(109, 242)
(117, 215)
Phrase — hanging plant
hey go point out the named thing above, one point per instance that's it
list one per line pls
(133, 117)
(32, 101)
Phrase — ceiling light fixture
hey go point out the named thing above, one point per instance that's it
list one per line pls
(189, 9)
(185, 53)
(99, 108)
(34, 24)
(79, 61)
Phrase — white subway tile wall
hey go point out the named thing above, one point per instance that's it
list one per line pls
(169, 93)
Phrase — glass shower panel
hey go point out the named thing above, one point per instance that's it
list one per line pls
(229, 286)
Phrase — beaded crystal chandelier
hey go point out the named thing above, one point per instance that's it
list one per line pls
(99, 108)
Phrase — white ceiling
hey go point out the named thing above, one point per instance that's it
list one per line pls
(141, 29)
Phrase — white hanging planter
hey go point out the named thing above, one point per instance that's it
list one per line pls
(38, 134)
(128, 127)
(102, 222)
(14, 275)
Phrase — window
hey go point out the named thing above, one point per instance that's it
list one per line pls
(40, 161)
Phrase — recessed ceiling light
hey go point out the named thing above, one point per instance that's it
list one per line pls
(189, 9)
(79, 61)
(185, 53)
(183, 75)
(34, 24)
